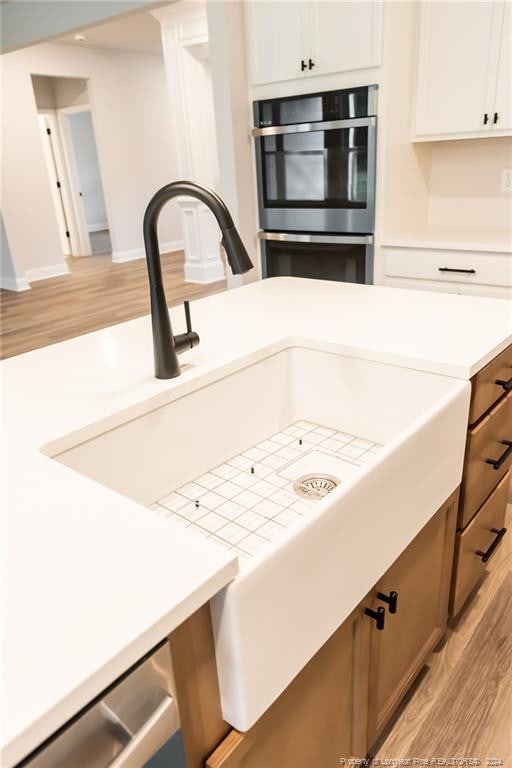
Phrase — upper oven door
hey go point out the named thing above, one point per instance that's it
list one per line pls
(317, 177)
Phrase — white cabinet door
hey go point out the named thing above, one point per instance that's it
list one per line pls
(277, 42)
(503, 102)
(345, 35)
(458, 58)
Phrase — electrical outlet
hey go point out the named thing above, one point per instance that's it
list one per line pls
(506, 180)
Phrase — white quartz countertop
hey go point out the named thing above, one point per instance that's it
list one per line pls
(92, 580)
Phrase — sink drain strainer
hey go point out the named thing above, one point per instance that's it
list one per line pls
(315, 486)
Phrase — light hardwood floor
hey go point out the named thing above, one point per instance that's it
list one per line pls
(461, 706)
(96, 294)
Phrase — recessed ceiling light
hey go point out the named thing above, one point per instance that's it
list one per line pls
(79, 38)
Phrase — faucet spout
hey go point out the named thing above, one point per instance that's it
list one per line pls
(166, 345)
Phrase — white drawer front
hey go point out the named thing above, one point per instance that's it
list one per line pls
(449, 266)
(489, 291)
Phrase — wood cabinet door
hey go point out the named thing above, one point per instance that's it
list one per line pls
(345, 36)
(319, 718)
(277, 34)
(457, 67)
(421, 577)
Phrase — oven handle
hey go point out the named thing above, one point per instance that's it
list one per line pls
(326, 125)
(287, 237)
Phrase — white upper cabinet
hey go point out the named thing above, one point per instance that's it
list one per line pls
(344, 35)
(276, 39)
(290, 41)
(463, 70)
(502, 116)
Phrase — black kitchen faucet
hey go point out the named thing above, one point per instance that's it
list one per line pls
(166, 345)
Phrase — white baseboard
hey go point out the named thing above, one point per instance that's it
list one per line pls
(98, 227)
(118, 257)
(210, 271)
(42, 273)
(14, 283)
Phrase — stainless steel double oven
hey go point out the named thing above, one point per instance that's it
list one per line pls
(315, 159)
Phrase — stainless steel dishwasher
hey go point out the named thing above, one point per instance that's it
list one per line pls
(128, 726)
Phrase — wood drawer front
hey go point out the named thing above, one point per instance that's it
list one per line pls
(449, 266)
(478, 536)
(485, 442)
(485, 390)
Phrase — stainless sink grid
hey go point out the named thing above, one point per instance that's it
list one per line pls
(246, 503)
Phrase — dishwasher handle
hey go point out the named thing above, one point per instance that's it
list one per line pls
(123, 727)
(153, 734)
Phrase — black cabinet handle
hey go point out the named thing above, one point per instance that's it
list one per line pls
(497, 463)
(486, 118)
(391, 600)
(495, 118)
(507, 385)
(453, 269)
(379, 616)
(500, 532)
(303, 65)
(311, 63)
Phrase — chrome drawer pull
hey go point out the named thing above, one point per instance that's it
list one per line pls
(497, 463)
(507, 385)
(500, 532)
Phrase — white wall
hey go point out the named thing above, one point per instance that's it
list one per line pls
(56, 92)
(44, 92)
(70, 92)
(84, 144)
(404, 168)
(9, 276)
(465, 185)
(135, 149)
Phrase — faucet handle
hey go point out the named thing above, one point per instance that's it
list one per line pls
(189, 339)
(186, 305)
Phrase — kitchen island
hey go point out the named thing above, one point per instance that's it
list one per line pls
(93, 579)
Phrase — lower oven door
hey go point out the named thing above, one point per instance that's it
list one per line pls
(348, 259)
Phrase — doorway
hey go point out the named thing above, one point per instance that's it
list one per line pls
(67, 131)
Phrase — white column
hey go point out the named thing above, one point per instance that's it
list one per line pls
(233, 120)
(203, 263)
(185, 49)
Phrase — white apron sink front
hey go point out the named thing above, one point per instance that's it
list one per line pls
(291, 596)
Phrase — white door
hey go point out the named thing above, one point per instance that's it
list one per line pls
(64, 115)
(345, 35)
(502, 116)
(458, 58)
(59, 183)
(277, 40)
